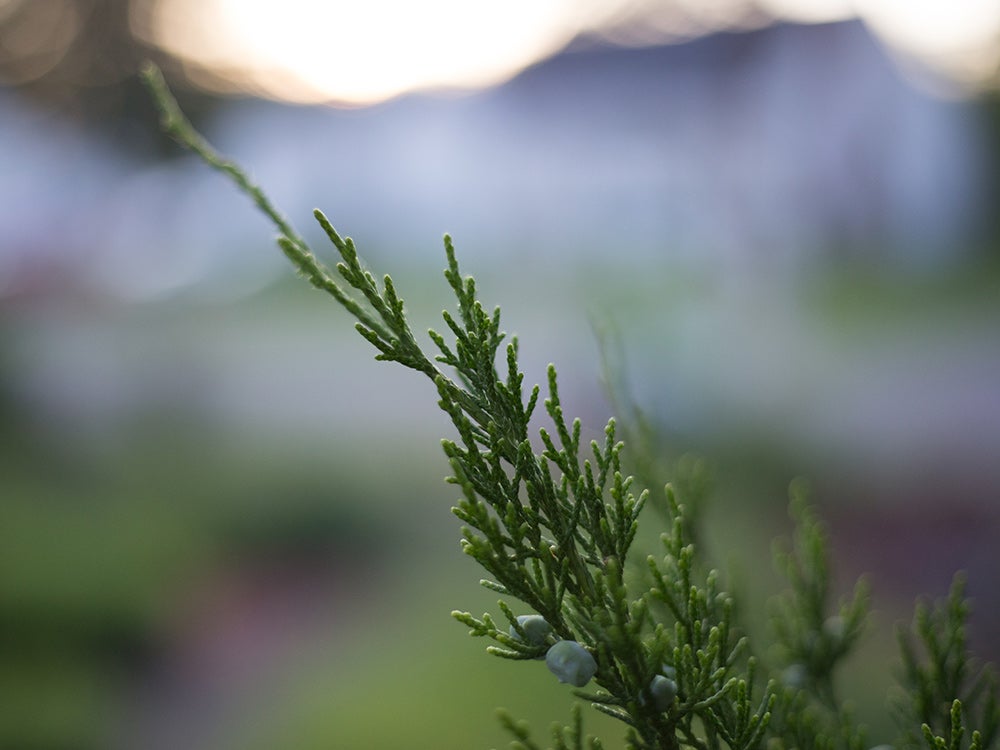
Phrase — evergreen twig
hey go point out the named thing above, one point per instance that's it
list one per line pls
(554, 528)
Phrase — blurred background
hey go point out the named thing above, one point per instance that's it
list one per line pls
(223, 525)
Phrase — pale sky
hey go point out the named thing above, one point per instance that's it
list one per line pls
(359, 53)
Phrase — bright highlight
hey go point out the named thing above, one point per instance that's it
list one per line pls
(363, 52)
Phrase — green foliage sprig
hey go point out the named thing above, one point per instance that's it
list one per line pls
(947, 700)
(810, 640)
(553, 528)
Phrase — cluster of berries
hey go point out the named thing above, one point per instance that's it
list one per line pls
(570, 662)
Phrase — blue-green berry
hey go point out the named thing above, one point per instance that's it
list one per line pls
(663, 691)
(834, 628)
(535, 628)
(571, 662)
(795, 676)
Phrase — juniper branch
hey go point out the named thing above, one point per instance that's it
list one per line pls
(554, 530)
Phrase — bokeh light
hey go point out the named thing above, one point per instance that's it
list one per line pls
(357, 53)
(362, 52)
(36, 38)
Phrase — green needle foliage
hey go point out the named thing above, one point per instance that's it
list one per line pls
(944, 687)
(553, 529)
(811, 641)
